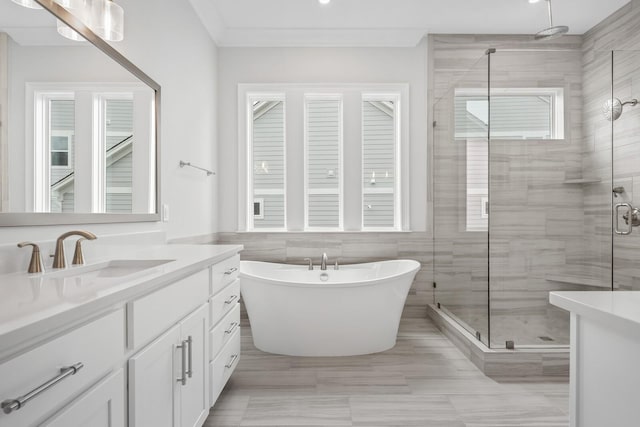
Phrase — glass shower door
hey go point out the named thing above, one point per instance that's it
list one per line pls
(460, 197)
(550, 185)
(623, 117)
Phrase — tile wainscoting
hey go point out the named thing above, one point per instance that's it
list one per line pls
(347, 248)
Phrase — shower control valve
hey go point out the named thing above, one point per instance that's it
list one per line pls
(631, 218)
(635, 217)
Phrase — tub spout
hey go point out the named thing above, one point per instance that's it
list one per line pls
(323, 263)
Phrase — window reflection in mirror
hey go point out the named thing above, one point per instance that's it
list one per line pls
(92, 167)
(61, 125)
(77, 129)
(119, 155)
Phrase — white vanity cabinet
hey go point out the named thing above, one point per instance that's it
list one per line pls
(605, 344)
(138, 358)
(167, 378)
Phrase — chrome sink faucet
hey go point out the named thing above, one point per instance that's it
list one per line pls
(58, 257)
(323, 263)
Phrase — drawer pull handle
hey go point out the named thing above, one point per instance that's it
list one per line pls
(190, 343)
(231, 299)
(232, 361)
(233, 327)
(10, 405)
(230, 271)
(183, 347)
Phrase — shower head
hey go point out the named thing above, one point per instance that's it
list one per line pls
(612, 108)
(552, 31)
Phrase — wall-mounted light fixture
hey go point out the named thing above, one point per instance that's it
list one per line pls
(103, 17)
(79, 9)
(107, 20)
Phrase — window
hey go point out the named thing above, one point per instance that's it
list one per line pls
(266, 161)
(380, 155)
(60, 146)
(323, 162)
(118, 152)
(516, 114)
(101, 156)
(258, 212)
(323, 157)
(61, 130)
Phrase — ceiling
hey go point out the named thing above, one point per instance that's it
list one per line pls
(385, 22)
(345, 22)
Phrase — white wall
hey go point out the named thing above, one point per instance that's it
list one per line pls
(168, 42)
(320, 65)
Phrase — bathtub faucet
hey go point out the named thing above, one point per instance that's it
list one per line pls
(310, 261)
(323, 263)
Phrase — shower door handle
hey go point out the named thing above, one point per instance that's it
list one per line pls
(629, 219)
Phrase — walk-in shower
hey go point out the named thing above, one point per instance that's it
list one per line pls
(525, 176)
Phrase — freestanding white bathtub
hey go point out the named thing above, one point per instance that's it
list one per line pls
(351, 311)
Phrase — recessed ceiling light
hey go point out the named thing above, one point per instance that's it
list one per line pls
(324, 1)
(534, 1)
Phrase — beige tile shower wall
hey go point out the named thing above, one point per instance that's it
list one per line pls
(348, 248)
(536, 219)
(620, 32)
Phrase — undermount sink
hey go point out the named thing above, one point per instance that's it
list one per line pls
(110, 269)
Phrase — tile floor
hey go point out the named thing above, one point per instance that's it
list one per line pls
(424, 381)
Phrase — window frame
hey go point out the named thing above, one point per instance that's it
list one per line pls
(41, 167)
(307, 191)
(557, 113)
(38, 171)
(395, 97)
(351, 183)
(251, 195)
(557, 129)
(99, 158)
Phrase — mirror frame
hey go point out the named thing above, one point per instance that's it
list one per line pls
(20, 219)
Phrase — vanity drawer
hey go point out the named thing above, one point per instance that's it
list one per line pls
(223, 302)
(223, 331)
(98, 346)
(223, 366)
(224, 273)
(153, 314)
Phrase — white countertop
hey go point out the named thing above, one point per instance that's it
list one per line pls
(617, 306)
(32, 304)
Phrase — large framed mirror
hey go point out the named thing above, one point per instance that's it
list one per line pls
(79, 123)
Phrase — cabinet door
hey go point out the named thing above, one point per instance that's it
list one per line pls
(153, 385)
(101, 406)
(194, 395)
